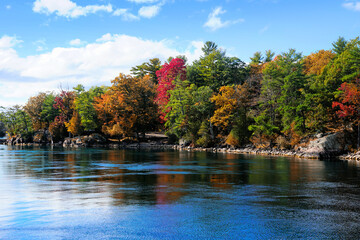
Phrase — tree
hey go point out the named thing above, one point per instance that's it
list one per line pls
(128, 107)
(15, 120)
(48, 112)
(231, 113)
(64, 103)
(344, 67)
(269, 56)
(340, 45)
(2, 128)
(215, 69)
(256, 59)
(189, 113)
(74, 125)
(209, 47)
(34, 108)
(349, 106)
(167, 75)
(282, 97)
(315, 63)
(84, 106)
(149, 68)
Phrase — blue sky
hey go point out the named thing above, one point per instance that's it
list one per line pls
(48, 44)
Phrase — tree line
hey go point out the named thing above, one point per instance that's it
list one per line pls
(273, 101)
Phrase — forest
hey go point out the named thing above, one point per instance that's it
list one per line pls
(275, 100)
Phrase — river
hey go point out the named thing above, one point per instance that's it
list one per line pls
(112, 194)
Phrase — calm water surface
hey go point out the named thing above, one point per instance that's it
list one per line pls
(112, 194)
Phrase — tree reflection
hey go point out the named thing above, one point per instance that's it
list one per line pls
(135, 177)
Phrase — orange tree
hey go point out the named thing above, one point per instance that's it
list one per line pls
(128, 108)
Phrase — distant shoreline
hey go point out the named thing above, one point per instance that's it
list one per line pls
(244, 150)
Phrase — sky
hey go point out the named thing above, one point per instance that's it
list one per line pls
(48, 45)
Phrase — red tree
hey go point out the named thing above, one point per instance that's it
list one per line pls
(166, 77)
(350, 102)
(349, 107)
(64, 102)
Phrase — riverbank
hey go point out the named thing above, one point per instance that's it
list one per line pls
(331, 146)
(247, 150)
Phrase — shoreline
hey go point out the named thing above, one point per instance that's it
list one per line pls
(244, 150)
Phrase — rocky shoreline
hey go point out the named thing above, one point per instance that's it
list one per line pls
(331, 146)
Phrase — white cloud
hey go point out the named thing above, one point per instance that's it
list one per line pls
(92, 64)
(105, 38)
(214, 22)
(149, 11)
(67, 8)
(124, 13)
(8, 42)
(8, 7)
(76, 42)
(352, 5)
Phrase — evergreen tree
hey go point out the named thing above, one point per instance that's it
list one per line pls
(339, 46)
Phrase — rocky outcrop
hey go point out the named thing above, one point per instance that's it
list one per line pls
(18, 140)
(94, 139)
(327, 146)
(42, 137)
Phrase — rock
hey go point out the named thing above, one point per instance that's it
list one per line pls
(326, 146)
(183, 142)
(98, 138)
(85, 141)
(42, 137)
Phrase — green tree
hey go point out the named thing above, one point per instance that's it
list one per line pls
(209, 47)
(48, 112)
(215, 69)
(323, 89)
(269, 56)
(256, 59)
(150, 68)
(2, 128)
(84, 106)
(190, 111)
(282, 107)
(340, 45)
(15, 120)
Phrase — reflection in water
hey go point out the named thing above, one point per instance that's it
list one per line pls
(117, 193)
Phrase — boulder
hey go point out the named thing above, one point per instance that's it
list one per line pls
(84, 141)
(325, 146)
(42, 136)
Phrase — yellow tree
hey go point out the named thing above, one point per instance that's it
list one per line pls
(315, 63)
(230, 116)
(74, 125)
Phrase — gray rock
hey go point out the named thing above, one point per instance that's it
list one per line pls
(325, 146)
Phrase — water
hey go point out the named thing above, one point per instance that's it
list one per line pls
(112, 194)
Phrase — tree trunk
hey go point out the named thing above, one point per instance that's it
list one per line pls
(212, 131)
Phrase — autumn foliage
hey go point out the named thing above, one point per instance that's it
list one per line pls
(349, 106)
(166, 77)
(214, 101)
(128, 107)
(316, 62)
